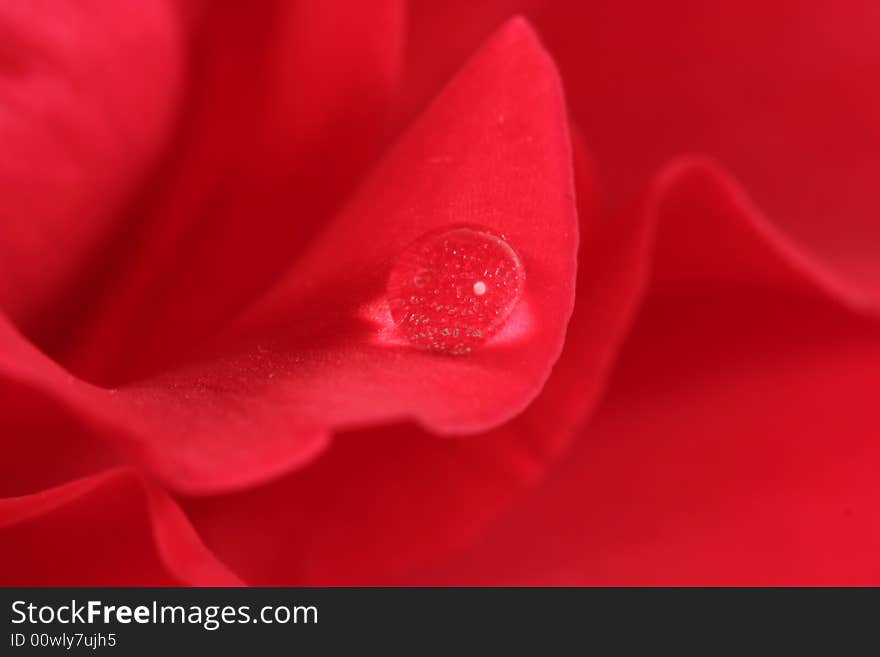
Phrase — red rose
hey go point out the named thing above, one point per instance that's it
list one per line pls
(217, 217)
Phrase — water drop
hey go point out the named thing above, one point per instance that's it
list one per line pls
(452, 289)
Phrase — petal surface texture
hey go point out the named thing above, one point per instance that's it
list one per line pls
(211, 381)
(313, 355)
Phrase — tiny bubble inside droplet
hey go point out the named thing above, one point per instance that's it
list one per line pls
(468, 302)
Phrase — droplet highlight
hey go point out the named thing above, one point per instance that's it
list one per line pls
(452, 289)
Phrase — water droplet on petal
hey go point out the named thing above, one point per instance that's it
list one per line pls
(452, 289)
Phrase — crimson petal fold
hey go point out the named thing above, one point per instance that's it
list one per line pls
(737, 440)
(309, 359)
(117, 529)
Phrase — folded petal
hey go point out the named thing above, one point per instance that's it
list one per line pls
(405, 497)
(289, 102)
(737, 443)
(315, 355)
(203, 430)
(492, 152)
(78, 130)
(44, 444)
(784, 94)
(115, 530)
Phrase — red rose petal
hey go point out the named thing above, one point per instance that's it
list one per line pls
(289, 102)
(785, 95)
(493, 149)
(409, 497)
(405, 497)
(77, 131)
(188, 430)
(737, 444)
(762, 474)
(115, 530)
(43, 444)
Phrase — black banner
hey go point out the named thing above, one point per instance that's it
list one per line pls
(129, 621)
